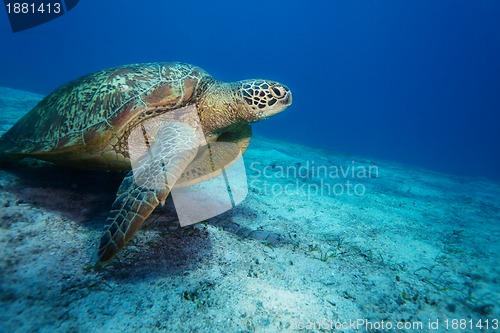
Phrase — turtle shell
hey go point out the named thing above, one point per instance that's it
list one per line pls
(88, 114)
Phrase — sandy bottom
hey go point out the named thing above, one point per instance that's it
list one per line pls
(322, 240)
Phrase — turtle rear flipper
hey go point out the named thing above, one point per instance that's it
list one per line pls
(9, 158)
(147, 185)
(5, 145)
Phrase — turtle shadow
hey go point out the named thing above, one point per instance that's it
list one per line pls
(229, 222)
(80, 195)
(180, 250)
(85, 197)
(175, 251)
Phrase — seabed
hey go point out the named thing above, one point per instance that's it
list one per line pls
(301, 253)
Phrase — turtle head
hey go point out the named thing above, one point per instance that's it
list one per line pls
(261, 99)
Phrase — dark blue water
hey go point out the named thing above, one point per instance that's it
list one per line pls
(416, 82)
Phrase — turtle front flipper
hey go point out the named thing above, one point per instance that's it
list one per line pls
(147, 185)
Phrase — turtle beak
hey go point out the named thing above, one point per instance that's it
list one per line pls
(288, 99)
(280, 106)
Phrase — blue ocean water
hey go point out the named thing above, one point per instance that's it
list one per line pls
(322, 236)
(415, 82)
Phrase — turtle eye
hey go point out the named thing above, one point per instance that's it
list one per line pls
(278, 92)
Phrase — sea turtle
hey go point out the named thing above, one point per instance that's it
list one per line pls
(88, 122)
